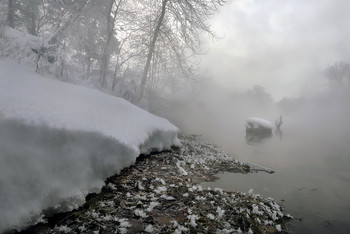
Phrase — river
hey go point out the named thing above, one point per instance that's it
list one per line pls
(311, 161)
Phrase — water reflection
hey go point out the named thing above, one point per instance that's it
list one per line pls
(311, 179)
(278, 133)
(257, 137)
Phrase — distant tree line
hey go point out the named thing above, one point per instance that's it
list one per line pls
(125, 47)
(338, 74)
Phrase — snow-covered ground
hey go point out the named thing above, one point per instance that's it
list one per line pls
(59, 141)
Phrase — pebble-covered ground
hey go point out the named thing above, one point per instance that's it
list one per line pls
(160, 194)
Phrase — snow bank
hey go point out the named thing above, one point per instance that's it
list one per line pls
(59, 142)
(18, 45)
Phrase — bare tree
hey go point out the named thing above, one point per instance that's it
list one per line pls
(180, 23)
(60, 33)
(338, 74)
(111, 18)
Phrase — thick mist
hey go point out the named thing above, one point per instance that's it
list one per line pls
(310, 155)
(282, 45)
(219, 114)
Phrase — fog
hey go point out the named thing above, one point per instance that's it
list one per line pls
(310, 155)
(219, 113)
(282, 45)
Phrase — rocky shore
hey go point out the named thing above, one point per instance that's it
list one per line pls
(160, 193)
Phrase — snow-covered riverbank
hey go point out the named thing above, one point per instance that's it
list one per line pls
(59, 142)
(160, 194)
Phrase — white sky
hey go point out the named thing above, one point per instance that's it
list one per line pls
(283, 45)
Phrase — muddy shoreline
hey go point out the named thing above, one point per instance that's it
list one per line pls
(160, 194)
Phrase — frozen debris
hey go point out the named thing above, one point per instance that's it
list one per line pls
(227, 231)
(220, 212)
(278, 227)
(93, 214)
(107, 218)
(250, 192)
(210, 216)
(124, 223)
(64, 229)
(160, 180)
(180, 229)
(168, 198)
(175, 223)
(111, 186)
(200, 198)
(139, 197)
(140, 186)
(107, 203)
(160, 189)
(220, 190)
(152, 205)
(123, 230)
(183, 172)
(140, 213)
(256, 210)
(256, 167)
(193, 218)
(149, 229)
(82, 228)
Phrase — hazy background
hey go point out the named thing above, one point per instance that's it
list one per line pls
(282, 45)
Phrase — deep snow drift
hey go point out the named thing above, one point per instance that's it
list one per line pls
(59, 142)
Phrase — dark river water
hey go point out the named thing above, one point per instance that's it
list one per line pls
(312, 172)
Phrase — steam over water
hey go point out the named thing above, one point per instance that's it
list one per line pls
(311, 176)
(310, 155)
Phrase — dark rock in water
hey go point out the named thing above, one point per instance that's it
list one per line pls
(257, 129)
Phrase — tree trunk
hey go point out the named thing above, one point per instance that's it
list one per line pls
(151, 50)
(32, 14)
(110, 29)
(10, 20)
